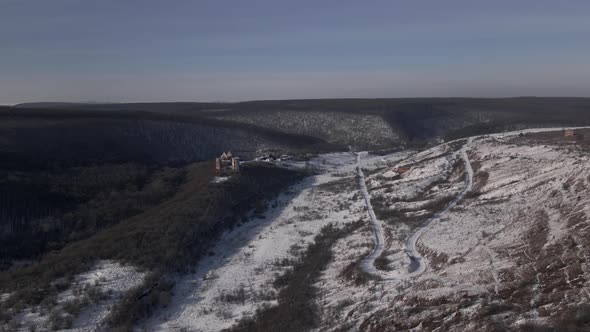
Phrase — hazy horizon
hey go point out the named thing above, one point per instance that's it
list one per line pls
(148, 51)
(274, 99)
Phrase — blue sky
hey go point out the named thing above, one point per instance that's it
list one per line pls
(82, 50)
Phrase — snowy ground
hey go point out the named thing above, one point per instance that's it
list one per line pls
(237, 278)
(417, 265)
(473, 234)
(220, 179)
(514, 251)
(92, 293)
(480, 233)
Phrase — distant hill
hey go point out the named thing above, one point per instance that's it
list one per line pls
(168, 107)
(51, 105)
(39, 138)
(291, 125)
(413, 117)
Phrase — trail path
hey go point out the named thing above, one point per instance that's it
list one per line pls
(368, 263)
(417, 265)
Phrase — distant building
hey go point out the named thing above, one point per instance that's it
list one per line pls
(227, 162)
(569, 133)
(401, 170)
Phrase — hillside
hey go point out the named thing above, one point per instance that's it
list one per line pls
(116, 251)
(113, 216)
(35, 138)
(390, 120)
(484, 234)
(359, 131)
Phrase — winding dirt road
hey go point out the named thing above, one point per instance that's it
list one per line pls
(417, 265)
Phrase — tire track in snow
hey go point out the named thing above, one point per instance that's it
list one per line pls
(367, 264)
(417, 260)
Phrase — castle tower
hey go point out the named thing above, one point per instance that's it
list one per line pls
(235, 164)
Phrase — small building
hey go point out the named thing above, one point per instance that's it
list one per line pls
(227, 162)
(401, 170)
(575, 135)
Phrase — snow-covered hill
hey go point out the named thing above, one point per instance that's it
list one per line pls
(513, 254)
(487, 233)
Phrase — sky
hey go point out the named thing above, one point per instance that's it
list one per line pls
(218, 50)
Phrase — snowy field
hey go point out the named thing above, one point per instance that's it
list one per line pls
(236, 279)
(513, 252)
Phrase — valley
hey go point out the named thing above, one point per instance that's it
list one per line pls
(295, 166)
(483, 232)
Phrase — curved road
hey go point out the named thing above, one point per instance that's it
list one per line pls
(368, 263)
(417, 265)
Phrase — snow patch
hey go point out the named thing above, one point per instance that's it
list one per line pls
(107, 278)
